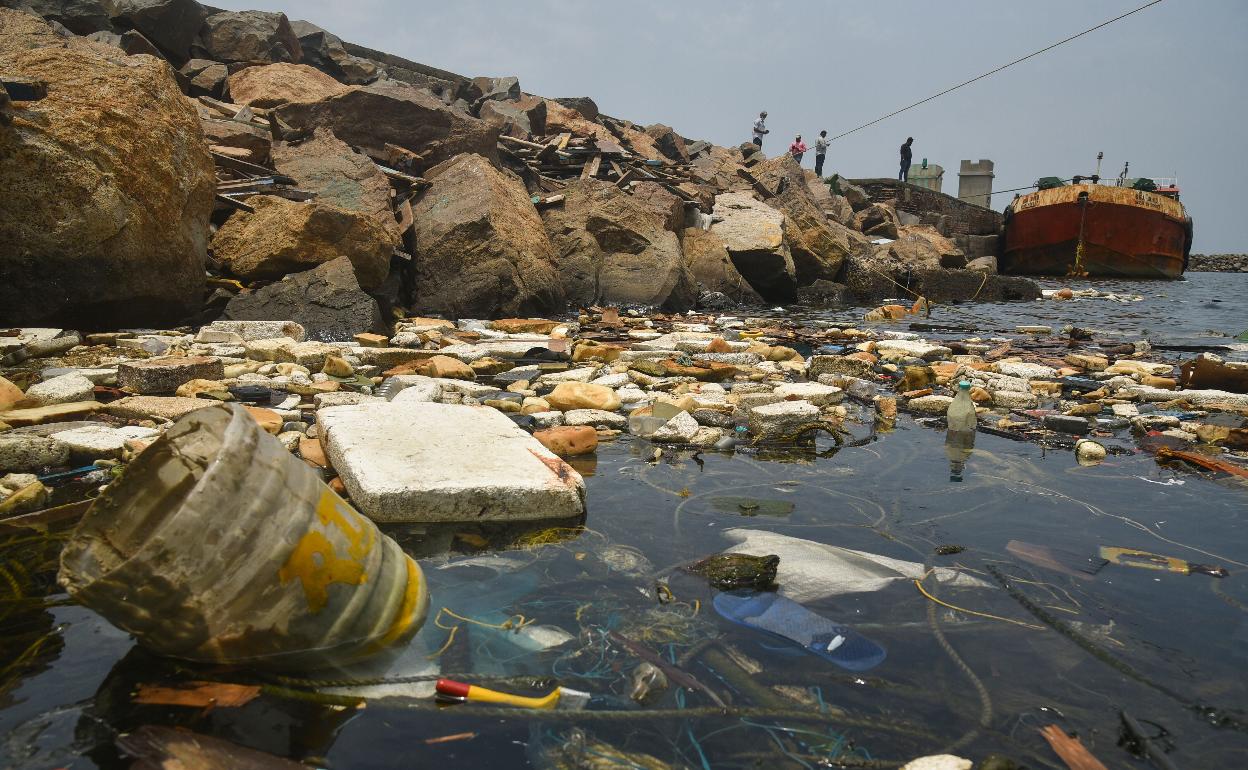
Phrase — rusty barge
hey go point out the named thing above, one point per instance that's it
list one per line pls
(1100, 231)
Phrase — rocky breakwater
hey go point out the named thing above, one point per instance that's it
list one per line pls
(1218, 263)
(448, 195)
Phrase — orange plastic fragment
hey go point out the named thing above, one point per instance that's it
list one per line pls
(1071, 751)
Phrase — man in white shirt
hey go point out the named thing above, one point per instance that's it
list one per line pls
(760, 128)
(821, 149)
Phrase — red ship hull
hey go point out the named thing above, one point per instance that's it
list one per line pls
(1125, 233)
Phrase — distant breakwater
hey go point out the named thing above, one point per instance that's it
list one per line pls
(1218, 263)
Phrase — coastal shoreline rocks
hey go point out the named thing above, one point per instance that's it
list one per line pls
(1218, 263)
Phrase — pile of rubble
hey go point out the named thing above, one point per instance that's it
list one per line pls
(242, 148)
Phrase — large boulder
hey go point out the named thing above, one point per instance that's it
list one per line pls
(872, 276)
(921, 246)
(326, 52)
(719, 168)
(712, 267)
(107, 187)
(170, 24)
(877, 220)
(522, 118)
(481, 250)
(582, 104)
(273, 85)
(855, 195)
(251, 138)
(634, 139)
(496, 89)
(326, 300)
(283, 237)
(619, 248)
(819, 246)
(834, 206)
(946, 285)
(560, 119)
(390, 112)
(206, 77)
(755, 235)
(253, 37)
(670, 143)
(82, 17)
(328, 166)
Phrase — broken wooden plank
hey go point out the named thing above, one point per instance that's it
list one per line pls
(675, 190)
(242, 166)
(401, 158)
(549, 200)
(551, 150)
(521, 142)
(628, 177)
(406, 217)
(550, 185)
(231, 110)
(198, 694)
(619, 172)
(414, 181)
(235, 203)
(274, 179)
(590, 169)
(564, 138)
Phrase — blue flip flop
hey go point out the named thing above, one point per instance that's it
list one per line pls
(778, 616)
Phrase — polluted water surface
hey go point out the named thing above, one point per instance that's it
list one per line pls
(913, 610)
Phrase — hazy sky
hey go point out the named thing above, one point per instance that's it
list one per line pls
(1164, 88)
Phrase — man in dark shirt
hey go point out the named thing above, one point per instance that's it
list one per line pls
(906, 154)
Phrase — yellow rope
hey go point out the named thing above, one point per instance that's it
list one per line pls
(514, 623)
(449, 639)
(982, 283)
(919, 584)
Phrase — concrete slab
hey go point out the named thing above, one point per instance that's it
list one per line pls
(259, 330)
(781, 420)
(39, 415)
(917, 348)
(94, 443)
(65, 389)
(427, 462)
(819, 395)
(163, 407)
(163, 375)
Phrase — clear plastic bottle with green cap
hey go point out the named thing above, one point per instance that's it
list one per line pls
(960, 438)
(961, 414)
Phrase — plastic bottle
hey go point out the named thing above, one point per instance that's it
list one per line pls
(960, 438)
(961, 413)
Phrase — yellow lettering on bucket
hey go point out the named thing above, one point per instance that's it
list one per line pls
(315, 561)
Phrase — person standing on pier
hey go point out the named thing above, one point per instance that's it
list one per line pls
(797, 149)
(906, 155)
(760, 128)
(821, 150)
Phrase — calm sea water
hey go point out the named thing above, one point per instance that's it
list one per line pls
(1170, 649)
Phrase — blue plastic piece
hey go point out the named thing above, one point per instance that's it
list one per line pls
(784, 618)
